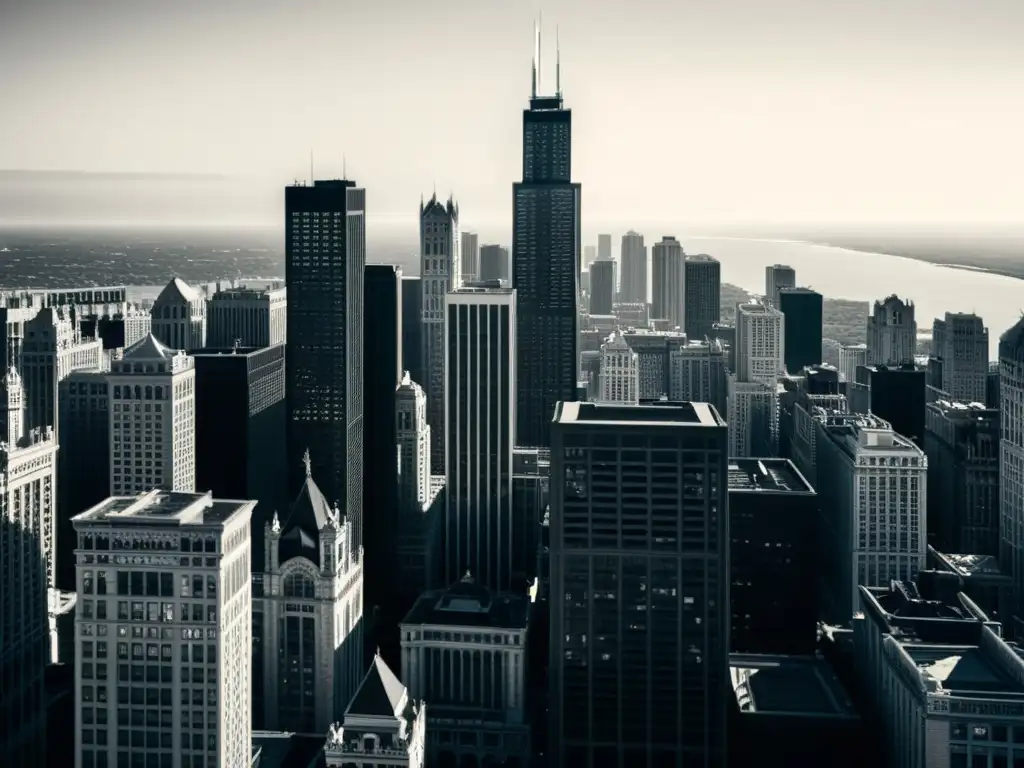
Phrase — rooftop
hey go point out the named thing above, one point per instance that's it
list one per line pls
(766, 476)
(228, 351)
(381, 694)
(468, 604)
(969, 670)
(788, 685)
(756, 308)
(661, 415)
(164, 508)
(283, 749)
(903, 612)
(701, 257)
(967, 565)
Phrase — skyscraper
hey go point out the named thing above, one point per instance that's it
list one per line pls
(152, 420)
(480, 362)
(703, 296)
(602, 287)
(639, 587)
(1011, 456)
(604, 247)
(179, 316)
(802, 310)
(545, 264)
(633, 263)
(325, 255)
(440, 272)
(620, 372)
(963, 349)
(668, 282)
(493, 263)
(412, 326)
(698, 372)
(777, 277)
(248, 317)
(132, 658)
(753, 390)
(469, 254)
(892, 332)
(589, 255)
(760, 343)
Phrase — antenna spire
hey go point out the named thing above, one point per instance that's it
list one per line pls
(536, 50)
(558, 65)
(540, 52)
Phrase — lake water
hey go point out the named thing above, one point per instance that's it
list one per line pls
(833, 272)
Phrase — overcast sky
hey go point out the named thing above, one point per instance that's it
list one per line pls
(689, 110)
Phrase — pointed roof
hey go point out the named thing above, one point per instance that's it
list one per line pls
(176, 292)
(1011, 343)
(148, 348)
(380, 694)
(309, 513)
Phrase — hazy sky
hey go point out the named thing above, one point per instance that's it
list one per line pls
(683, 110)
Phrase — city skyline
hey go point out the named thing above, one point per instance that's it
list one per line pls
(764, 101)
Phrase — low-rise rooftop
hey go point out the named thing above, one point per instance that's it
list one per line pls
(788, 685)
(165, 508)
(662, 414)
(469, 604)
(766, 476)
(901, 611)
(970, 671)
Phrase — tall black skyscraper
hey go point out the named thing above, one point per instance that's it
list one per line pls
(545, 265)
(802, 329)
(412, 327)
(325, 254)
(381, 375)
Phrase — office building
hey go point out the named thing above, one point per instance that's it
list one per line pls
(668, 282)
(777, 277)
(653, 350)
(493, 263)
(944, 683)
(152, 395)
(703, 295)
(604, 248)
(241, 422)
(412, 326)
(633, 261)
(383, 725)
(602, 287)
(1011, 455)
(325, 257)
(247, 317)
(892, 333)
(440, 273)
(416, 496)
(802, 310)
(639, 553)
(897, 394)
(382, 374)
(307, 616)
(469, 255)
(851, 357)
(179, 316)
(480, 366)
(698, 373)
(962, 445)
(773, 529)
(531, 487)
(962, 345)
(760, 343)
(545, 264)
(753, 408)
(83, 462)
(163, 664)
(464, 651)
(992, 385)
(27, 572)
(873, 485)
(589, 255)
(803, 437)
(727, 335)
(620, 372)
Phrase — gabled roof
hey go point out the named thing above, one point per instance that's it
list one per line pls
(176, 292)
(1011, 343)
(308, 515)
(148, 348)
(380, 694)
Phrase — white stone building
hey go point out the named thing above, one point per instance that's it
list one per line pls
(850, 357)
(249, 317)
(760, 343)
(383, 728)
(892, 332)
(163, 632)
(777, 277)
(620, 372)
(179, 316)
(308, 617)
(152, 420)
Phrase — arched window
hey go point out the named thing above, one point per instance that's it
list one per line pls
(138, 392)
(149, 393)
(159, 393)
(117, 392)
(299, 585)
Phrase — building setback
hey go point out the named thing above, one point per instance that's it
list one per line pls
(639, 553)
(545, 266)
(325, 254)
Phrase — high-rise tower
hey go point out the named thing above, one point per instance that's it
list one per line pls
(545, 263)
(668, 282)
(325, 257)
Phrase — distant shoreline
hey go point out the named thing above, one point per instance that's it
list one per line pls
(900, 253)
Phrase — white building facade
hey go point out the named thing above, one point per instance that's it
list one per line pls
(851, 356)
(620, 372)
(179, 316)
(777, 277)
(469, 254)
(247, 317)
(760, 341)
(668, 282)
(892, 332)
(163, 631)
(152, 420)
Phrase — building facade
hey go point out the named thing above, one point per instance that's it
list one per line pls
(777, 277)
(633, 261)
(307, 617)
(1011, 456)
(247, 317)
(440, 273)
(164, 626)
(602, 287)
(414, 491)
(469, 254)
(963, 348)
(698, 373)
(619, 372)
(152, 398)
(480, 387)
(703, 297)
(668, 282)
(325, 257)
(892, 332)
(802, 312)
(493, 263)
(851, 357)
(760, 343)
(639, 553)
(179, 317)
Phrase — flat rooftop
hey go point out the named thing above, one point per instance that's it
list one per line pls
(230, 351)
(970, 565)
(963, 670)
(788, 685)
(766, 476)
(471, 605)
(165, 508)
(661, 415)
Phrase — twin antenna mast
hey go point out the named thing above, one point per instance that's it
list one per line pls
(537, 61)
